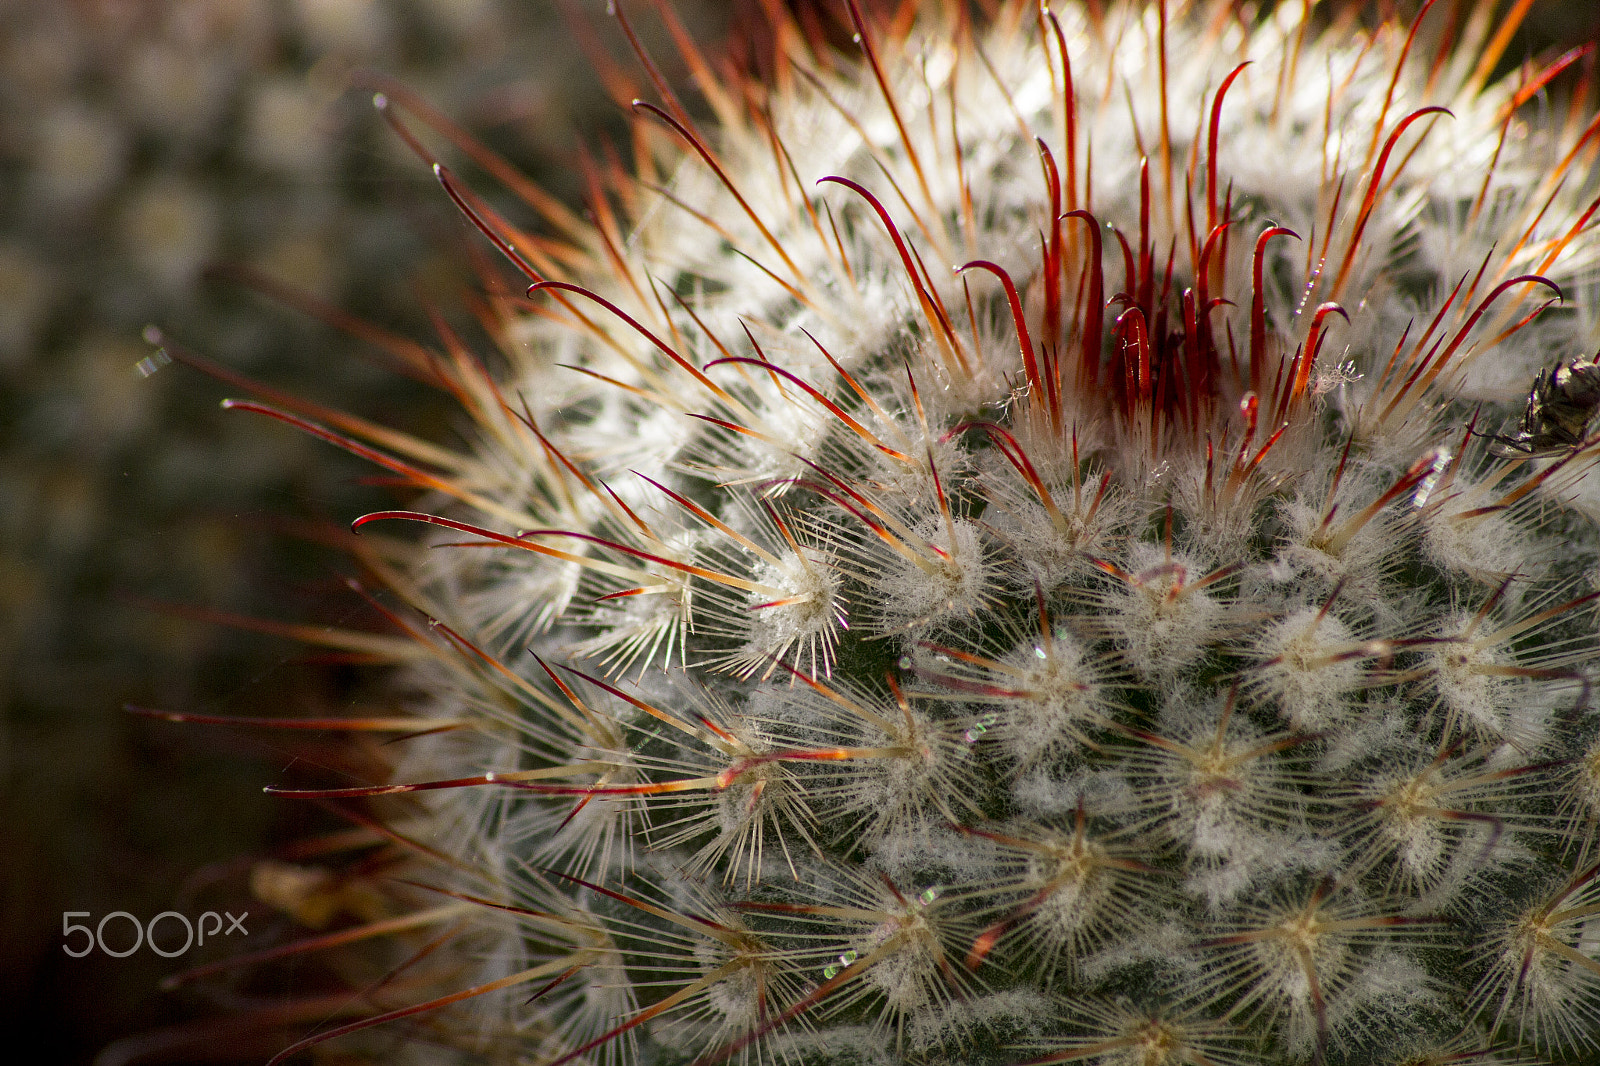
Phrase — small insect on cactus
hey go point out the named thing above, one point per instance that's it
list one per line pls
(1023, 538)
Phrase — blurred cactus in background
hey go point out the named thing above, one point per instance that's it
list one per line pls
(1035, 536)
(142, 143)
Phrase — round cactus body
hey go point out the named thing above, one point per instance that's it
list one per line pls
(1027, 538)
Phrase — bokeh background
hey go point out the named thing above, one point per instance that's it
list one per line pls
(143, 143)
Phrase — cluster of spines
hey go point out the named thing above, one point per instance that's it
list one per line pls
(1062, 648)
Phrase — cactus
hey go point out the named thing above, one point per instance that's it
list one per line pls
(1031, 538)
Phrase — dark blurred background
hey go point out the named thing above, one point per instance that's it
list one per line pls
(141, 142)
